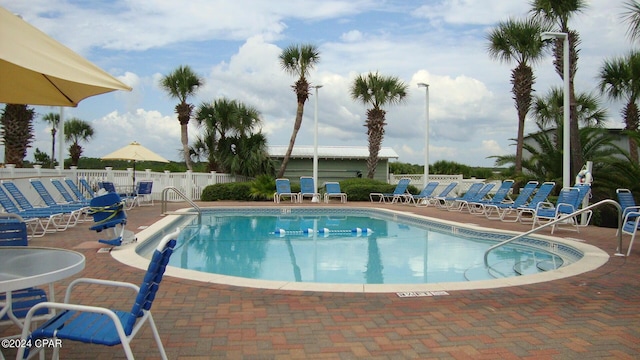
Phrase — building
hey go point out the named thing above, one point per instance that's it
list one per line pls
(335, 163)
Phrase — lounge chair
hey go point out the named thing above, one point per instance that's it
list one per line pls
(433, 200)
(630, 226)
(627, 201)
(447, 202)
(87, 188)
(479, 196)
(100, 325)
(501, 196)
(66, 195)
(308, 189)
(530, 208)
(332, 190)
(283, 190)
(501, 210)
(13, 232)
(48, 199)
(76, 191)
(567, 203)
(108, 213)
(399, 193)
(39, 220)
(426, 192)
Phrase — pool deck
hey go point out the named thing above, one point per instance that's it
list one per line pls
(591, 315)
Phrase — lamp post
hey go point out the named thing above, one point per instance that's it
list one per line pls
(426, 133)
(566, 130)
(315, 148)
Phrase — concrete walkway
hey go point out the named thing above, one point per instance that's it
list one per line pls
(591, 315)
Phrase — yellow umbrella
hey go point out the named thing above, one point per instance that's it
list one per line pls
(37, 70)
(134, 152)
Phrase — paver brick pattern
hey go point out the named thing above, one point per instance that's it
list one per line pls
(592, 315)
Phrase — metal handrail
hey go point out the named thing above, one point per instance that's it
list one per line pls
(164, 201)
(573, 214)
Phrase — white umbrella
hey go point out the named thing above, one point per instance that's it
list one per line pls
(134, 152)
(37, 70)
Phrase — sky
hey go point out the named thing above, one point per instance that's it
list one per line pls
(234, 46)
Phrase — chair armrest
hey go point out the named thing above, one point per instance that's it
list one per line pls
(544, 205)
(630, 214)
(78, 281)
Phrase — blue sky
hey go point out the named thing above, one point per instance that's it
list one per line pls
(234, 46)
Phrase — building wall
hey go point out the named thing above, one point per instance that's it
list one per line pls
(335, 169)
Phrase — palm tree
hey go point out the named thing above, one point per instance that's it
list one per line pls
(377, 91)
(620, 80)
(224, 119)
(17, 123)
(52, 119)
(181, 84)
(298, 60)
(547, 110)
(632, 16)
(558, 13)
(76, 130)
(518, 41)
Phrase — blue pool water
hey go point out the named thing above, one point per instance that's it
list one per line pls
(351, 246)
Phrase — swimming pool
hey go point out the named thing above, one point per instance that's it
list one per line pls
(296, 248)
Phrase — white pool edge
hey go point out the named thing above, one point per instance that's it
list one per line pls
(593, 258)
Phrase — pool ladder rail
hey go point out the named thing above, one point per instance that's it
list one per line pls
(164, 201)
(562, 219)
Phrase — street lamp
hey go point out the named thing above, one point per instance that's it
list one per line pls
(315, 148)
(426, 133)
(566, 130)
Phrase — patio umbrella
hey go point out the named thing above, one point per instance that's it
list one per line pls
(134, 152)
(37, 70)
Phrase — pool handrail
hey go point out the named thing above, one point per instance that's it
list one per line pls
(163, 208)
(568, 216)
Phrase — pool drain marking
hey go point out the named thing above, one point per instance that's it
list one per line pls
(412, 294)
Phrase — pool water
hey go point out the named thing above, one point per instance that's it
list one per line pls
(352, 247)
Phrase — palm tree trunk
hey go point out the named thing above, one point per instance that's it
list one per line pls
(292, 141)
(53, 148)
(184, 137)
(375, 132)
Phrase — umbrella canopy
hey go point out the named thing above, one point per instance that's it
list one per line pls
(134, 152)
(37, 70)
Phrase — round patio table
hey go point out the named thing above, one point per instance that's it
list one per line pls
(26, 266)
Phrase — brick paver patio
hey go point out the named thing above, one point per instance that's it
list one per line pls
(592, 315)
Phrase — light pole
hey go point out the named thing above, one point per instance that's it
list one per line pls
(315, 148)
(566, 130)
(426, 133)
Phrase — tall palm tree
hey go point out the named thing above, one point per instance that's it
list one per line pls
(619, 79)
(632, 16)
(518, 41)
(52, 119)
(181, 84)
(17, 123)
(298, 60)
(558, 13)
(75, 131)
(377, 91)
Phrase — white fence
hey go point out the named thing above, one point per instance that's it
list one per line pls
(417, 180)
(189, 183)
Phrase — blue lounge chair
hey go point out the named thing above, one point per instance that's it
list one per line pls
(627, 201)
(399, 193)
(530, 208)
(501, 210)
(100, 325)
(108, 213)
(433, 200)
(447, 202)
(76, 191)
(283, 190)
(332, 190)
(66, 195)
(566, 203)
(87, 188)
(501, 196)
(13, 232)
(479, 196)
(48, 199)
(630, 226)
(39, 221)
(308, 189)
(426, 192)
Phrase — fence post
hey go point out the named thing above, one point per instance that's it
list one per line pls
(74, 173)
(109, 173)
(188, 186)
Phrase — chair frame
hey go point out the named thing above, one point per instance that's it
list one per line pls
(335, 194)
(125, 324)
(307, 190)
(399, 193)
(283, 189)
(433, 200)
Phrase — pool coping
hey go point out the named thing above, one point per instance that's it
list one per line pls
(593, 258)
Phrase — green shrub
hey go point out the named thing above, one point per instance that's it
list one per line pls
(230, 191)
(358, 189)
